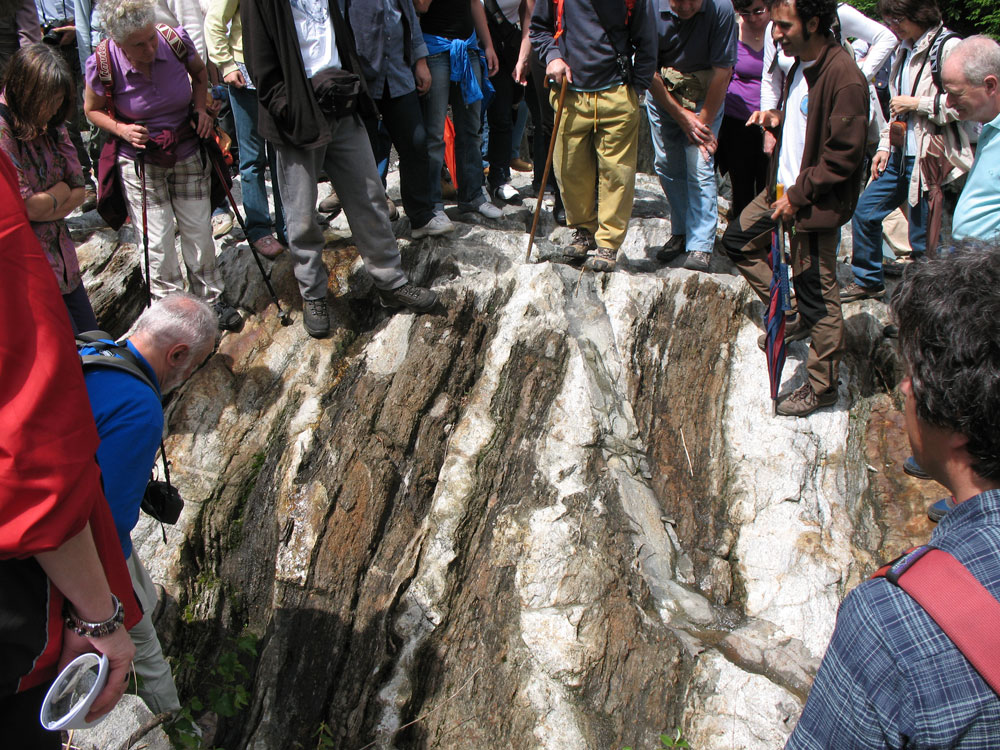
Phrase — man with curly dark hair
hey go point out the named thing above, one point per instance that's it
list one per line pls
(821, 133)
(891, 677)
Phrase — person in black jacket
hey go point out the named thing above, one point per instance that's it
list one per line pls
(301, 56)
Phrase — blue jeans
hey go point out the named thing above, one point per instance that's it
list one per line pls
(880, 198)
(253, 161)
(687, 179)
(466, 118)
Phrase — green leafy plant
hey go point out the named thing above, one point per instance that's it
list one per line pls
(676, 741)
(324, 737)
(222, 690)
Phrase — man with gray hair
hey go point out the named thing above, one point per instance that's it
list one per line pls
(971, 76)
(125, 383)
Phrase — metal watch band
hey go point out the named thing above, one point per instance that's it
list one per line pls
(95, 629)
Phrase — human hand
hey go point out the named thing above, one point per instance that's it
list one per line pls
(767, 119)
(134, 134)
(556, 70)
(697, 132)
(783, 209)
(203, 124)
(879, 161)
(68, 34)
(521, 70)
(235, 79)
(492, 63)
(900, 105)
(422, 76)
(708, 149)
(119, 649)
(769, 142)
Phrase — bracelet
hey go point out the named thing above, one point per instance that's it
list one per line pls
(94, 629)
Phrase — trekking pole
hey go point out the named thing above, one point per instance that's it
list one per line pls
(548, 166)
(141, 160)
(283, 316)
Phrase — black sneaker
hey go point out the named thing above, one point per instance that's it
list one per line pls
(229, 316)
(581, 246)
(671, 249)
(316, 317)
(409, 295)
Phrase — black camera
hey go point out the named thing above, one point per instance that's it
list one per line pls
(162, 501)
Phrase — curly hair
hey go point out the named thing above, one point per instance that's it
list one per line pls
(947, 310)
(924, 13)
(740, 5)
(823, 10)
(37, 74)
(122, 18)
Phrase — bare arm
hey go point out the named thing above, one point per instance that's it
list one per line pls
(483, 32)
(95, 107)
(524, 11)
(55, 202)
(199, 102)
(716, 95)
(75, 569)
(421, 5)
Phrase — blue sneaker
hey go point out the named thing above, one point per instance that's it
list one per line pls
(940, 509)
(911, 467)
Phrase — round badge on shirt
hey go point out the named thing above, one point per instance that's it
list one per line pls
(804, 105)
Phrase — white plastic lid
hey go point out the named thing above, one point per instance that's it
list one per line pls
(69, 699)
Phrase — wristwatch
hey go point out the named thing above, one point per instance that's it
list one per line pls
(94, 629)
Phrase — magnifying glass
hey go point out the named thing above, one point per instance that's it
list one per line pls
(69, 699)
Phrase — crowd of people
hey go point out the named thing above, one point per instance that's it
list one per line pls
(818, 115)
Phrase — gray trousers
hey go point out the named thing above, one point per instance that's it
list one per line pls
(156, 687)
(348, 162)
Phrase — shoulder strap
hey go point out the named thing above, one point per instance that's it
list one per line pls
(174, 40)
(117, 356)
(609, 27)
(935, 57)
(956, 601)
(105, 73)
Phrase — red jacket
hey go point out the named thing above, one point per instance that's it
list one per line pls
(49, 479)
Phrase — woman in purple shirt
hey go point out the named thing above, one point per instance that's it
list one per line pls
(36, 100)
(158, 118)
(741, 148)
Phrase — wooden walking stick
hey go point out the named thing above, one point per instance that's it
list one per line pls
(548, 166)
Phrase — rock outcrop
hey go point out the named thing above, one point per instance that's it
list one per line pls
(557, 514)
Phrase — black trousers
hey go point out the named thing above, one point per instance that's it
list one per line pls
(741, 154)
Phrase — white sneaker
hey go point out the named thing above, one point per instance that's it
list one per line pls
(490, 211)
(508, 193)
(438, 225)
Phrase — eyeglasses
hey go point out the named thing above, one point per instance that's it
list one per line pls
(748, 13)
(892, 20)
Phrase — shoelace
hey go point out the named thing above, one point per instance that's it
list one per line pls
(316, 306)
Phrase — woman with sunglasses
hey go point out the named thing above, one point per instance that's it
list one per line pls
(741, 148)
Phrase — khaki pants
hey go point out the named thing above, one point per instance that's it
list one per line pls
(156, 687)
(814, 267)
(595, 158)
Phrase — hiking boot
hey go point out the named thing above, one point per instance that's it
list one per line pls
(698, 261)
(793, 332)
(330, 203)
(603, 259)
(393, 209)
(89, 199)
(316, 317)
(854, 292)
(438, 225)
(804, 401)
(521, 165)
(229, 316)
(222, 224)
(268, 247)
(671, 248)
(940, 509)
(409, 295)
(911, 467)
(581, 246)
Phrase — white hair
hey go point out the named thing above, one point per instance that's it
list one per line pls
(179, 318)
(978, 56)
(122, 18)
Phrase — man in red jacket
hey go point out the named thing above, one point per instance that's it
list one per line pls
(59, 554)
(821, 135)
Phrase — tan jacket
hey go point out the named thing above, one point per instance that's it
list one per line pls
(225, 47)
(932, 111)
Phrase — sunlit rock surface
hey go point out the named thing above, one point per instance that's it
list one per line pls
(557, 514)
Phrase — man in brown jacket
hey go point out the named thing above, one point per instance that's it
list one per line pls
(821, 131)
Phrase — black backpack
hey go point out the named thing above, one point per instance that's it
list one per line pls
(161, 500)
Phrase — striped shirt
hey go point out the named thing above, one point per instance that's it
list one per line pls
(891, 678)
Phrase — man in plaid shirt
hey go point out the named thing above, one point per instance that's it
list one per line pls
(891, 678)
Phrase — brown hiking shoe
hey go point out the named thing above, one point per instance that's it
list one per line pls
(854, 291)
(603, 259)
(330, 203)
(581, 246)
(804, 401)
(793, 332)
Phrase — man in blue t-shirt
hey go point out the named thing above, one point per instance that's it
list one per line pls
(171, 339)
